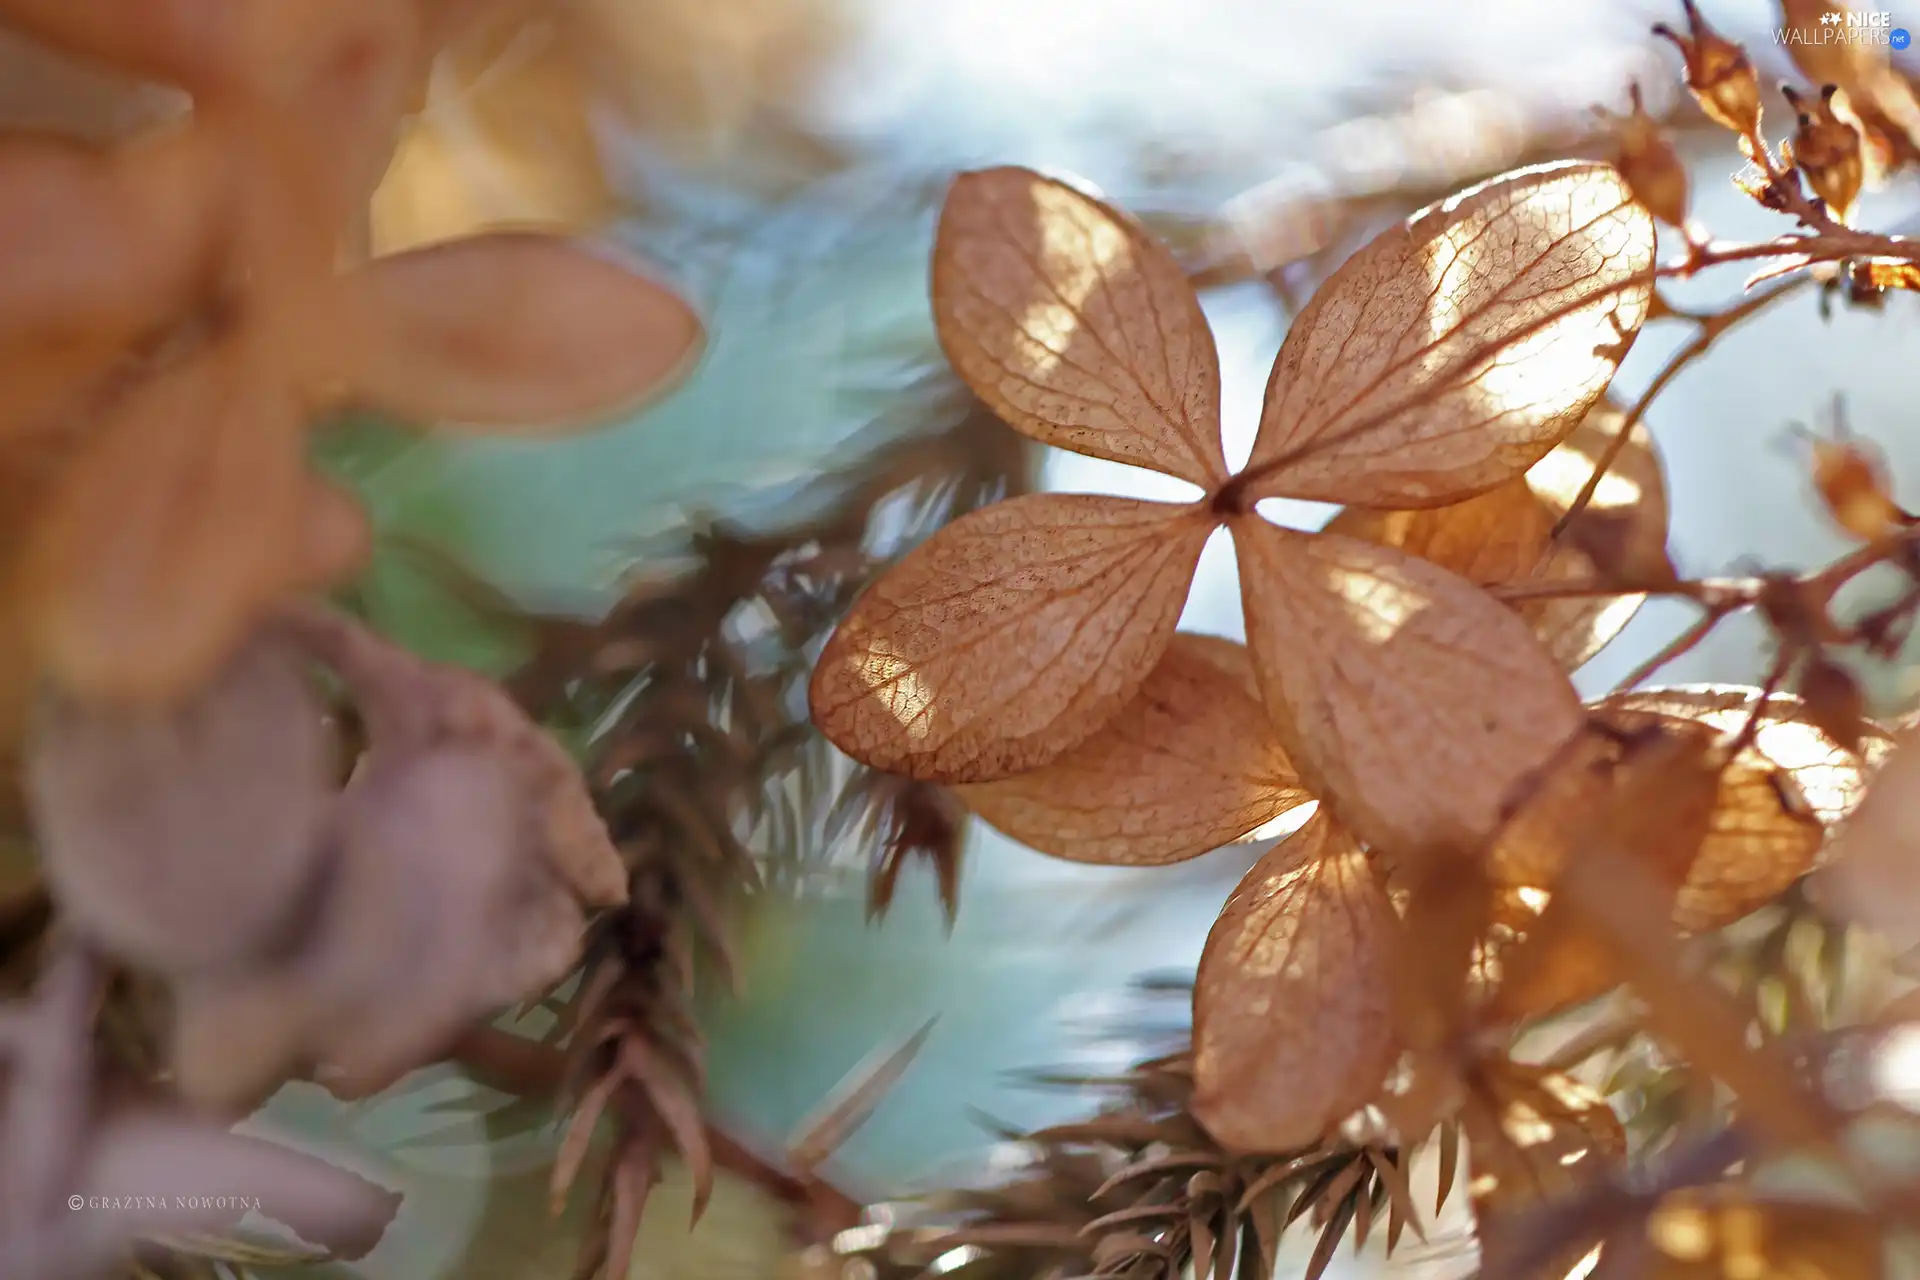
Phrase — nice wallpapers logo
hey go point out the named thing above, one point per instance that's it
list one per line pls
(1839, 28)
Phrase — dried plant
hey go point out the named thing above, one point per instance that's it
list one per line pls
(714, 788)
(176, 314)
(1487, 853)
(316, 853)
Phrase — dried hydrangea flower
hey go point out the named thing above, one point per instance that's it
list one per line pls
(460, 857)
(182, 509)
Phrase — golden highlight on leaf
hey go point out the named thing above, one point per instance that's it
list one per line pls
(1293, 1025)
(1575, 969)
(504, 139)
(1453, 352)
(1532, 1135)
(1830, 778)
(1009, 637)
(1407, 698)
(1716, 1233)
(1505, 535)
(509, 329)
(1076, 326)
(1192, 763)
(1760, 836)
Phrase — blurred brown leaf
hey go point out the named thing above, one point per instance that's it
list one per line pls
(194, 43)
(1293, 1029)
(1532, 1136)
(510, 329)
(173, 315)
(1189, 765)
(43, 90)
(174, 525)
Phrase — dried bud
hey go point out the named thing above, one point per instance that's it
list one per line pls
(1653, 170)
(1826, 148)
(1718, 73)
(1851, 476)
(915, 820)
(1617, 542)
(1835, 705)
(184, 838)
(1869, 279)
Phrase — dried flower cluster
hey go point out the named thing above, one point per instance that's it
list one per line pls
(181, 298)
(181, 305)
(1486, 851)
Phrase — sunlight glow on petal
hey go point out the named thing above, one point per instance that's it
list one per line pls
(1078, 256)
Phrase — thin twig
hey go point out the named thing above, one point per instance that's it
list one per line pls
(1710, 330)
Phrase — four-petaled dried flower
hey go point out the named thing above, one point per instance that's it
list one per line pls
(1027, 651)
(1445, 358)
(1718, 72)
(1826, 148)
(174, 312)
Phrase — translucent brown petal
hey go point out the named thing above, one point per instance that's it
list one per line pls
(1830, 778)
(1190, 764)
(1778, 798)
(1506, 535)
(1574, 970)
(1075, 326)
(1293, 1026)
(1407, 698)
(1761, 836)
(175, 525)
(513, 329)
(1453, 352)
(1009, 637)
